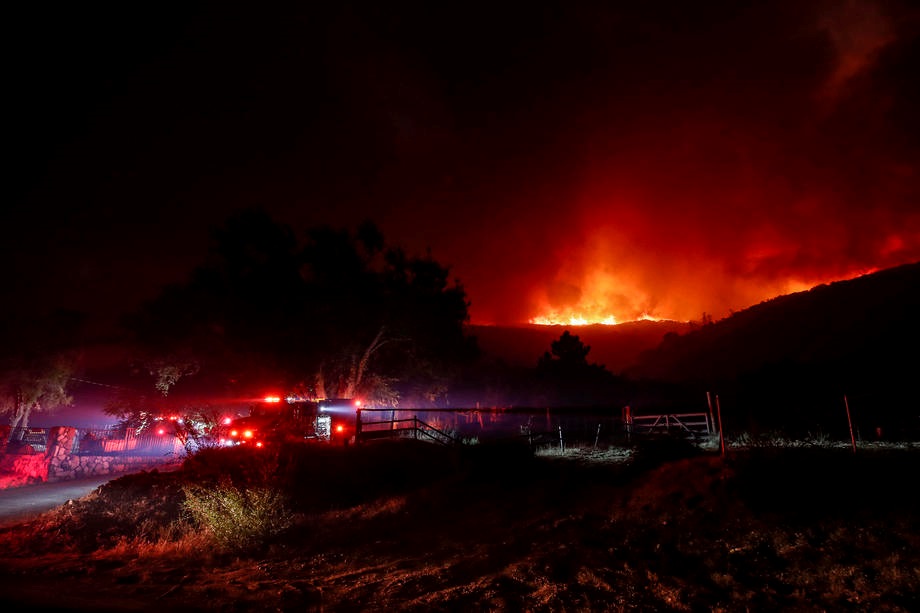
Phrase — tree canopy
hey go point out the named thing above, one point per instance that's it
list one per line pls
(569, 379)
(333, 313)
(37, 360)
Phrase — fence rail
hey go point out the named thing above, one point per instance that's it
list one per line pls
(121, 441)
(395, 428)
(27, 440)
(95, 441)
(693, 423)
(539, 426)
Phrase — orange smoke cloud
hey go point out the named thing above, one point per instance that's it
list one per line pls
(749, 151)
(639, 259)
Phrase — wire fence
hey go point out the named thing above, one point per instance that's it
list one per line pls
(533, 424)
(122, 441)
(98, 441)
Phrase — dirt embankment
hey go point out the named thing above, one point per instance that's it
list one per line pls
(414, 527)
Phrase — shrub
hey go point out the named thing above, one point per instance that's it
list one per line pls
(239, 519)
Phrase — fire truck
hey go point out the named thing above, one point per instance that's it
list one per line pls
(276, 420)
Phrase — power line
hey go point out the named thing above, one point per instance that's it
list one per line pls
(114, 387)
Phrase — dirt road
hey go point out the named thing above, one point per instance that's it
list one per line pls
(21, 503)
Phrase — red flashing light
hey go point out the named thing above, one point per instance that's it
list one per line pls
(357, 403)
(161, 431)
(272, 399)
(259, 444)
(247, 434)
(234, 433)
(340, 428)
(227, 421)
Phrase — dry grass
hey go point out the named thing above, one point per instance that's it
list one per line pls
(238, 519)
(409, 526)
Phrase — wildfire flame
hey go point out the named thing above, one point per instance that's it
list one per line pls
(649, 253)
(602, 299)
(581, 319)
(602, 306)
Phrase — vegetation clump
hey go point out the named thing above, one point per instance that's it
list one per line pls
(239, 519)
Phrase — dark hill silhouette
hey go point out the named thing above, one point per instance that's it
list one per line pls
(861, 322)
(857, 337)
(615, 347)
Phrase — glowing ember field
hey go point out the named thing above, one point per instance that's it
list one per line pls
(608, 301)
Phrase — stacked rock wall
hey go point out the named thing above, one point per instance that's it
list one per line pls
(79, 466)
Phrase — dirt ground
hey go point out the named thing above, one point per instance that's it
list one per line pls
(414, 527)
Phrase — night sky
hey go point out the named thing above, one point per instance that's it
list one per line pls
(579, 158)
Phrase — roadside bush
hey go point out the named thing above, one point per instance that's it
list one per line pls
(239, 519)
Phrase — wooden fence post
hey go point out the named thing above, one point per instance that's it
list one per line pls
(721, 437)
(712, 420)
(850, 421)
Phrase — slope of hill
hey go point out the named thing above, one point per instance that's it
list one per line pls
(856, 337)
(861, 322)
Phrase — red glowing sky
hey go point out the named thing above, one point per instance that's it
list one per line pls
(575, 159)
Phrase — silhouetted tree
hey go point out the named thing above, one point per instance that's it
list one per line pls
(568, 354)
(568, 378)
(335, 314)
(37, 361)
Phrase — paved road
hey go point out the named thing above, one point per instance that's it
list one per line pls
(21, 503)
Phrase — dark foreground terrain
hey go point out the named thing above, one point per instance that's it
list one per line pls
(412, 526)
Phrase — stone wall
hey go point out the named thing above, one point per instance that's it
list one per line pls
(59, 463)
(79, 466)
